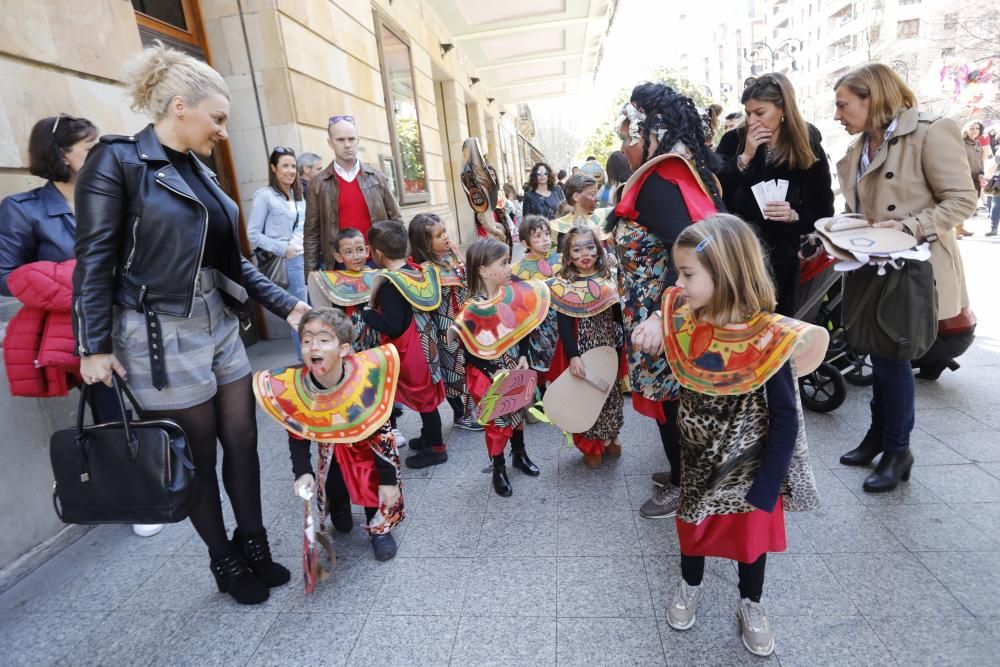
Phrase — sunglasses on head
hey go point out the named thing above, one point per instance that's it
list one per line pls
(283, 150)
(55, 125)
(336, 119)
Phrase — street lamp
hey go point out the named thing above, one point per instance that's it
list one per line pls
(755, 53)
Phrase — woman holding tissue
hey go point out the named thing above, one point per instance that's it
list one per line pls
(276, 219)
(775, 175)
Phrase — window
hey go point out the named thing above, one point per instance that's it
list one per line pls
(170, 12)
(908, 29)
(950, 22)
(401, 109)
(909, 2)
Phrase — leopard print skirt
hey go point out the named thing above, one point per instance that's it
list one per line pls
(722, 438)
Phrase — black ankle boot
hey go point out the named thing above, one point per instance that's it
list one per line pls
(501, 484)
(342, 519)
(257, 552)
(521, 461)
(864, 453)
(894, 465)
(234, 577)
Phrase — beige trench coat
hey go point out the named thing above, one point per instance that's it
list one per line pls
(920, 177)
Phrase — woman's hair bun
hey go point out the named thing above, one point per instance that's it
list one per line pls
(158, 74)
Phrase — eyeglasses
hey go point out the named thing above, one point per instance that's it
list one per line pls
(283, 150)
(55, 125)
(336, 119)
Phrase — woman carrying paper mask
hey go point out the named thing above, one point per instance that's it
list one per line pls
(776, 144)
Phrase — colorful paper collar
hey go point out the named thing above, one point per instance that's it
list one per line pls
(420, 286)
(490, 328)
(346, 288)
(727, 361)
(454, 274)
(350, 412)
(567, 222)
(584, 297)
(540, 268)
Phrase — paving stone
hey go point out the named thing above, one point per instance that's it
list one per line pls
(442, 535)
(426, 586)
(351, 588)
(842, 528)
(511, 587)
(210, 638)
(308, 639)
(934, 528)
(959, 483)
(959, 642)
(614, 587)
(128, 638)
(657, 536)
(970, 577)
(911, 492)
(883, 584)
(43, 638)
(505, 641)
(415, 640)
(976, 446)
(609, 641)
(597, 532)
(825, 640)
(800, 585)
(945, 421)
(518, 533)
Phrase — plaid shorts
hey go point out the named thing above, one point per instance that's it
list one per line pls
(201, 352)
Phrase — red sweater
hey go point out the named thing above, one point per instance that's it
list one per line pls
(352, 209)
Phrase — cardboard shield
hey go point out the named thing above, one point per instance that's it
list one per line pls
(510, 391)
(847, 236)
(574, 404)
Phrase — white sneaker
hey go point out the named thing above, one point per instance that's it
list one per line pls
(146, 529)
(683, 609)
(400, 438)
(754, 628)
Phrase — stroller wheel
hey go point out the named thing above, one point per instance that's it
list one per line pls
(823, 390)
(860, 374)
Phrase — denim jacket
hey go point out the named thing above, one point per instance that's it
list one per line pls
(273, 220)
(37, 225)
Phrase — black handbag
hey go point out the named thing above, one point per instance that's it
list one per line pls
(129, 471)
(274, 267)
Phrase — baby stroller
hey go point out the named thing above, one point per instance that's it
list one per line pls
(819, 298)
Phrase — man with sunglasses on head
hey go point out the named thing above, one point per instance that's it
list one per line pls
(347, 194)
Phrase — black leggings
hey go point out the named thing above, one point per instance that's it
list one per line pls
(230, 418)
(430, 428)
(751, 575)
(670, 436)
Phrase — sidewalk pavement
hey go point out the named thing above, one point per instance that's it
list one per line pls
(566, 571)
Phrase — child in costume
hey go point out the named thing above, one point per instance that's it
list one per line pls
(744, 458)
(342, 401)
(493, 328)
(397, 292)
(589, 314)
(348, 289)
(540, 262)
(429, 243)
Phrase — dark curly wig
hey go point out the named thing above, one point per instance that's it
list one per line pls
(682, 122)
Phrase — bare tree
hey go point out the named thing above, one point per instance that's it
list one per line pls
(556, 138)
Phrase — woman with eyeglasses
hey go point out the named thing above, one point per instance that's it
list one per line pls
(775, 143)
(541, 196)
(158, 292)
(276, 219)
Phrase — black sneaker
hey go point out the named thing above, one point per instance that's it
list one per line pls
(342, 519)
(416, 444)
(426, 458)
(467, 423)
(384, 546)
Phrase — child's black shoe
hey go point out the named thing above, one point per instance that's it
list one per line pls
(384, 546)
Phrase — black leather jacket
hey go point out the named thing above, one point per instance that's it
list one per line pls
(140, 236)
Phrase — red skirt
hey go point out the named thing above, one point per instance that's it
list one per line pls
(648, 408)
(741, 537)
(497, 436)
(416, 390)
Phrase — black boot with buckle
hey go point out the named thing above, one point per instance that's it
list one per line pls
(257, 552)
(864, 453)
(519, 458)
(233, 576)
(501, 483)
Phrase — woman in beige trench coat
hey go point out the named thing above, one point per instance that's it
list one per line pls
(907, 170)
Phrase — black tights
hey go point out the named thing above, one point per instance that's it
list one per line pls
(430, 428)
(751, 575)
(670, 436)
(230, 418)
